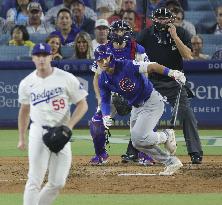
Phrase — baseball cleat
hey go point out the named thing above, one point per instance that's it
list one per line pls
(96, 160)
(171, 168)
(129, 158)
(104, 157)
(171, 144)
(99, 160)
(145, 159)
(196, 158)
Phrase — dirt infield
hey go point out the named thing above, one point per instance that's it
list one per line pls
(83, 178)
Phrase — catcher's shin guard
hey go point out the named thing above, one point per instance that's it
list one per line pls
(97, 131)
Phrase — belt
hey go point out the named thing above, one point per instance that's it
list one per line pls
(142, 103)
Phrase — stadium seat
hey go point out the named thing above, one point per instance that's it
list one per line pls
(4, 39)
(215, 3)
(67, 51)
(38, 38)
(13, 52)
(211, 39)
(200, 6)
(210, 49)
(200, 16)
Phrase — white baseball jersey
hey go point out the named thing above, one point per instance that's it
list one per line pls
(50, 98)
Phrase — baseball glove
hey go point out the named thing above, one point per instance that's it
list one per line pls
(56, 138)
(121, 105)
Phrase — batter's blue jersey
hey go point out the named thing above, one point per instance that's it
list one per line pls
(126, 81)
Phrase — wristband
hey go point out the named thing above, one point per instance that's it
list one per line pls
(166, 71)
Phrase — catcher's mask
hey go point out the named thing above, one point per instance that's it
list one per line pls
(102, 52)
(161, 17)
(114, 34)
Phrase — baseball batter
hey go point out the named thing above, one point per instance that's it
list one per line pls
(127, 78)
(123, 46)
(45, 96)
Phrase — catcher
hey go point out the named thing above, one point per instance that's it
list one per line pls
(124, 47)
(45, 96)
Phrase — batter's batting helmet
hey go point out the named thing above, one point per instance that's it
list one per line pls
(102, 51)
(117, 25)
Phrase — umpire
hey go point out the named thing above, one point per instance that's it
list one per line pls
(168, 45)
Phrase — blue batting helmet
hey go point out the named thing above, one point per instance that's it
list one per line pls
(102, 51)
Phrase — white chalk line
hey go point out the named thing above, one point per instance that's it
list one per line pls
(137, 174)
(11, 180)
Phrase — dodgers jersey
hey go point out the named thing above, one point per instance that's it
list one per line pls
(50, 98)
(128, 81)
(124, 53)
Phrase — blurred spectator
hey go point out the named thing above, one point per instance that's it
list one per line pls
(87, 2)
(131, 17)
(64, 29)
(7, 4)
(3, 26)
(20, 37)
(117, 15)
(215, 28)
(171, 4)
(177, 3)
(151, 5)
(34, 23)
(52, 13)
(80, 21)
(217, 55)
(83, 46)
(184, 4)
(55, 43)
(18, 14)
(179, 20)
(218, 29)
(106, 8)
(129, 4)
(101, 33)
(197, 46)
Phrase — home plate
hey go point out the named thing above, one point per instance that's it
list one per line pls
(137, 174)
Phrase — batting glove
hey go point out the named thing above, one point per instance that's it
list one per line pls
(107, 121)
(178, 76)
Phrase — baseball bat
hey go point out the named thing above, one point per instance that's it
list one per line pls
(175, 109)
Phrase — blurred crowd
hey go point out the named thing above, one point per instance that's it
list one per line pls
(74, 28)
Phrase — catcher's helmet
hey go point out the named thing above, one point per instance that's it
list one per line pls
(120, 25)
(161, 17)
(102, 51)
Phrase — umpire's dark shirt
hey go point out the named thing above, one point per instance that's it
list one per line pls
(164, 54)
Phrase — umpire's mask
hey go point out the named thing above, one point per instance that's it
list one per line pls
(161, 17)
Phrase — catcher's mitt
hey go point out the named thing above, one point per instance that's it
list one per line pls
(121, 105)
(56, 137)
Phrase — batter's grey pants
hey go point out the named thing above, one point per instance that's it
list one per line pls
(142, 122)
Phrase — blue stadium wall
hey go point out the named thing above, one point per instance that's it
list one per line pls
(204, 77)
